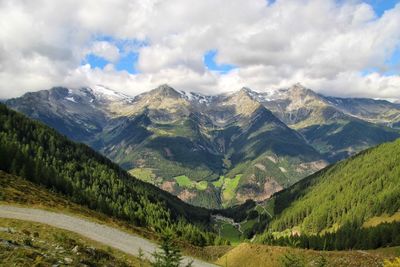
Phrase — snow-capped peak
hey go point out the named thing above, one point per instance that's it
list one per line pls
(105, 92)
(97, 93)
(196, 97)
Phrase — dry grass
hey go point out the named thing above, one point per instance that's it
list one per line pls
(209, 253)
(254, 255)
(374, 221)
(49, 245)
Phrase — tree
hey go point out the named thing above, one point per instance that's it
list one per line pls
(170, 255)
(290, 259)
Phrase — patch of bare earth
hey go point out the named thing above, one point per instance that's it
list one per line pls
(311, 166)
(282, 169)
(186, 195)
(268, 189)
(168, 186)
(273, 159)
(260, 166)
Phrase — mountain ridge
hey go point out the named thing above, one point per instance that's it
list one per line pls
(211, 151)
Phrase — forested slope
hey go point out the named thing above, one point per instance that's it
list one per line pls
(33, 151)
(350, 191)
(333, 209)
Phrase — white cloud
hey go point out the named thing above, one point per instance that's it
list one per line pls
(105, 50)
(320, 43)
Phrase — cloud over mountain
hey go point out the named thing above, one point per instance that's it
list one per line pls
(339, 48)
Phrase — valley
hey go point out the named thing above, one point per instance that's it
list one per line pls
(276, 221)
(215, 151)
(186, 133)
(49, 245)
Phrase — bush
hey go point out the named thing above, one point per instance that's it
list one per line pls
(28, 242)
(290, 259)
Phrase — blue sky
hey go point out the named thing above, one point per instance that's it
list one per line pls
(210, 63)
(380, 6)
(128, 55)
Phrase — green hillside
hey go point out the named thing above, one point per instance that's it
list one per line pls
(340, 199)
(356, 189)
(41, 155)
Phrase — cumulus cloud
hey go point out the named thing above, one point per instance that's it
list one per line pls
(105, 50)
(325, 44)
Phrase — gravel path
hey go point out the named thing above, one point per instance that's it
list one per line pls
(104, 234)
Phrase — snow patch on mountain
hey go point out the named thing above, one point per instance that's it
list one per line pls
(196, 97)
(102, 92)
(70, 98)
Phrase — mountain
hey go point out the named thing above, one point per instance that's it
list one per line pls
(79, 114)
(362, 190)
(211, 151)
(376, 111)
(37, 153)
(336, 127)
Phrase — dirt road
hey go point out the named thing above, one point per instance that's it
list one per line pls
(106, 235)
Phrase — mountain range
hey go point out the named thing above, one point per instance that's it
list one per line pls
(216, 151)
(358, 204)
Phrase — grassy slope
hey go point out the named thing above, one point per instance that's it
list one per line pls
(33, 244)
(252, 255)
(40, 154)
(356, 189)
(17, 191)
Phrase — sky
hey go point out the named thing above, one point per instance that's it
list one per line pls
(348, 48)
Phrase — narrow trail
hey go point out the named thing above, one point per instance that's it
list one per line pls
(106, 235)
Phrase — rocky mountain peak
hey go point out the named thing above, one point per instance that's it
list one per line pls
(165, 90)
(300, 90)
(298, 85)
(246, 90)
(244, 101)
(301, 96)
(164, 98)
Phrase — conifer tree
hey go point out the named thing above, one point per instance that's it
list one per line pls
(169, 254)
